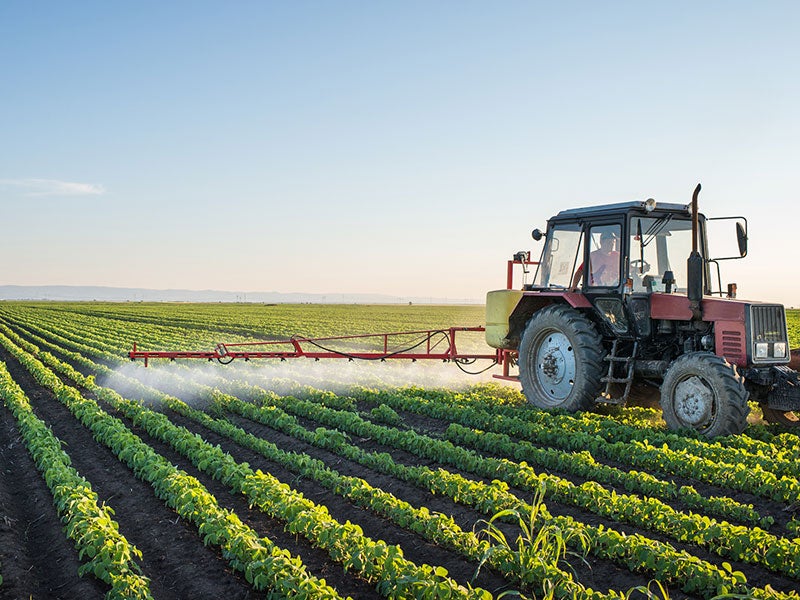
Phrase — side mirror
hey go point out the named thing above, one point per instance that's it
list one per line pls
(723, 239)
(741, 238)
(537, 234)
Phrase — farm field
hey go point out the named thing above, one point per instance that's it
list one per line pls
(355, 479)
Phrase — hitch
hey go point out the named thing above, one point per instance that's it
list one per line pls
(784, 384)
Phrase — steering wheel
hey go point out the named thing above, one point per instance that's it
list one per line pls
(638, 273)
(645, 267)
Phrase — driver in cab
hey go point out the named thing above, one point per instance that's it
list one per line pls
(603, 263)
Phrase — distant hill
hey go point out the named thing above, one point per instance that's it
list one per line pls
(76, 293)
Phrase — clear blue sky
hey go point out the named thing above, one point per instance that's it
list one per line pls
(405, 148)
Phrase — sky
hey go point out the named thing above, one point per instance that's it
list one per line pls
(402, 148)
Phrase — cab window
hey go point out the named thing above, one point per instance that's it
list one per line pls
(604, 256)
(559, 256)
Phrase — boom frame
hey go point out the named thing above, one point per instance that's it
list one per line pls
(297, 347)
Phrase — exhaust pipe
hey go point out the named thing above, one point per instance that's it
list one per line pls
(694, 266)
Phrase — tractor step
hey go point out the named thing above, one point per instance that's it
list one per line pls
(613, 358)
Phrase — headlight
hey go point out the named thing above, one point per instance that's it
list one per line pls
(762, 350)
(779, 349)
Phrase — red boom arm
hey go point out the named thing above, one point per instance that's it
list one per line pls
(439, 344)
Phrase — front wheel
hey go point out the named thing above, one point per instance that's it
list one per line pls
(560, 360)
(702, 391)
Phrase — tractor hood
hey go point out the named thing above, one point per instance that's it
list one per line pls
(746, 333)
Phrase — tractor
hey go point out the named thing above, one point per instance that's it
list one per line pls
(621, 306)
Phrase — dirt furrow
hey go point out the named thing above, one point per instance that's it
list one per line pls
(37, 560)
(174, 556)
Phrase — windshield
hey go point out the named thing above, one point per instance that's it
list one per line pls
(658, 245)
(558, 257)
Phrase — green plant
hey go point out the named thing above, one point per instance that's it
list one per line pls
(538, 546)
(385, 414)
(661, 593)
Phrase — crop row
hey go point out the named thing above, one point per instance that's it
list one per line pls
(745, 472)
(583, 464)
(566, 434)
(264, 564)
(694, 574)
(95, 533)
(753, 545)
(434, 526)
(743, 450)
(737, 542)
(346, 543)
(437, 527)
(314, 417)
(653, 561)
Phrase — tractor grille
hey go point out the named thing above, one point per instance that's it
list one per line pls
(767, 326)
(768, 323)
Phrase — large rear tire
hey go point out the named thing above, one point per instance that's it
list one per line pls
(704, 392)
(560, 360)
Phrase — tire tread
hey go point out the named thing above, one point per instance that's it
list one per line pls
(733, 400)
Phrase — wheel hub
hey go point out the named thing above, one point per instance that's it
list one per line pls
(694, 401)
(553, 366)
(555, 362)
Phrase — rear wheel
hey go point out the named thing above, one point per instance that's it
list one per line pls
(702, 391)
(560, 360)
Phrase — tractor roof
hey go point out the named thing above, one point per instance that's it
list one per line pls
(621, 208)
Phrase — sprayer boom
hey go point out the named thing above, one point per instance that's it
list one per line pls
(434, 344)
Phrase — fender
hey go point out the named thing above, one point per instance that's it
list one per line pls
(532, 302)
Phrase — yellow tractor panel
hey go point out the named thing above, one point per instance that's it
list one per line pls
(499, 306)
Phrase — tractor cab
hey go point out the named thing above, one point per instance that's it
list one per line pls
(632, 247)
(616, 255)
